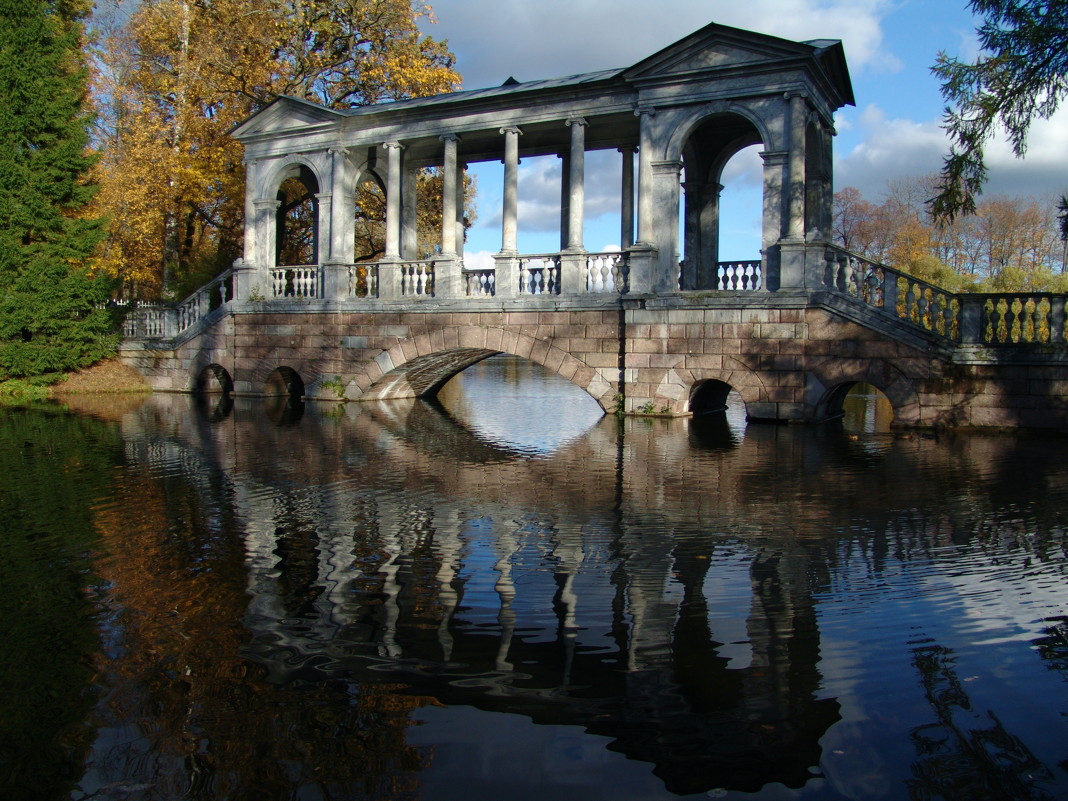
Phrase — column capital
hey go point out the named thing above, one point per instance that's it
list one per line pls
(665, 167)
(774, 157)
(450, 137)
(632, 149)
(575, 121)
(338, 150)
(393, 144)
(511, 129)
(644, 111)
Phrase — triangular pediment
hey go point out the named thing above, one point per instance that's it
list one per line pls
(285, 113)
(717, 47)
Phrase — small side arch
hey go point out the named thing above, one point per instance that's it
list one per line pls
(828, 384)
(213, 379)
(283, 382)
(708, 397)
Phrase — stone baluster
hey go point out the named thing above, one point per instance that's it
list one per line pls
(1056, 319)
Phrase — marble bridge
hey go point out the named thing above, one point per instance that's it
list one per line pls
(641, 329)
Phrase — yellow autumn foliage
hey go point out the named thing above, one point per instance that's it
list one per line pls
(181, 74)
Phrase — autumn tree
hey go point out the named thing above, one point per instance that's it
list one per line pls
(181, 74)
(1008, 244)
(48, 316)
(1021, 75)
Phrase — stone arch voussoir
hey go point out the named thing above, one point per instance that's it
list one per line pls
(385, 376)
(823, 378)
(740, 378)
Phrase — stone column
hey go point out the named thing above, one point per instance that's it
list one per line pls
(342, 222)
(448, 196)
(708, 224)
(576, 184)
(409, 231)
(626, 234)
(324, 203)
(393, 205)
(565, 197)
(772, 223)
(796, 222)
(388, 270)
(266, 232)
(507, 261)
(573, 277)
(509, 226)
(665, 216)
(447, 266)
(337, 253)
(461, 200)
(646, 232)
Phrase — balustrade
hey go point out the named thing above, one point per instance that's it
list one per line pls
(739, 276)
(1021, 318)
(539, 275)
(416, 278)
(903, 296)
(607, 273)
(301, 281)
(363, 280)
(480, 283)
(156, 321)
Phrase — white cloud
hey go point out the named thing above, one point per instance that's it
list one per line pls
(493, 39)
(478, 260)
(895, 148)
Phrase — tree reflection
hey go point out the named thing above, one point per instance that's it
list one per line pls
(967, 753)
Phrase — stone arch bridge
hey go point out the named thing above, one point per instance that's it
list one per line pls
(640, 329)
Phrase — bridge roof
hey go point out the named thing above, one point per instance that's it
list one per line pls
(716, 53)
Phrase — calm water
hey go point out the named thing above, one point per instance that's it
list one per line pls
(507, 596)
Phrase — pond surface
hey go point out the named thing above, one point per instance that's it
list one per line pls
(505, 595)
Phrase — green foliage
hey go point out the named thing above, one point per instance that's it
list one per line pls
(53, 469)
(1021, 75)
(22, 390)
(48, 318)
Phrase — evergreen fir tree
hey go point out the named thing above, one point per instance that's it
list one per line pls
(48, 316)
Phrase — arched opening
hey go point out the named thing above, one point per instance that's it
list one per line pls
(861, 408)
(284, 392)
(370, 216)
(709, 397)
(214, 380)
(298, 220)
(283, 382)
(718, 414)
(710, 149)
(492, 395)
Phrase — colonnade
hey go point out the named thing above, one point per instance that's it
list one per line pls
(674, 123)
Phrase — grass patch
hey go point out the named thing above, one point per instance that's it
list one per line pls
(23, 390)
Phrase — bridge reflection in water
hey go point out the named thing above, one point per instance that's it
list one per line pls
(667, 585)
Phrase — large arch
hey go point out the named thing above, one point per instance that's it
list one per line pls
(711, 143)
(420, 366)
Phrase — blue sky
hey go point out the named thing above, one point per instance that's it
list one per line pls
(893, 132)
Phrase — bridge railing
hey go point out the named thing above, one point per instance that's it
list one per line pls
(988, 318)
(296, 281)
(541, 274)
(165, 320)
